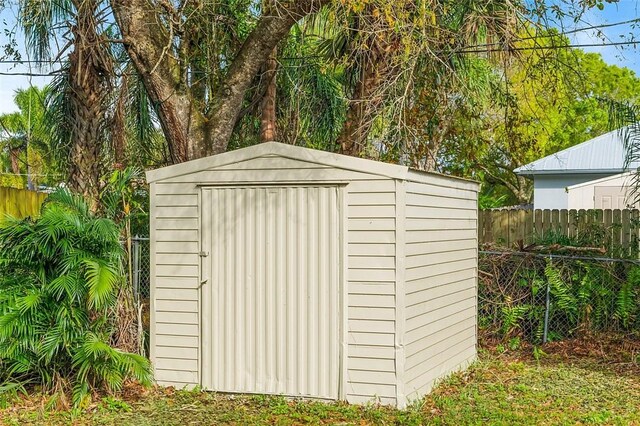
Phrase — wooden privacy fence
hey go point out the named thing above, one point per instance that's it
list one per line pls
(508, 227)
(20, 202)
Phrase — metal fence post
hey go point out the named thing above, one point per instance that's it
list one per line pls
(136, 268)
(546, 309)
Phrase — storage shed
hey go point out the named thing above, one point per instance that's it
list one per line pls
(611, 192)
(283, 270)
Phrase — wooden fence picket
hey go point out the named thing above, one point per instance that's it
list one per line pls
(508, 226)
(20, 203)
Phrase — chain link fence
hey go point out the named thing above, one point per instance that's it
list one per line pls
(538, 297)
(140, 259)
(544, 297)
(141, 275)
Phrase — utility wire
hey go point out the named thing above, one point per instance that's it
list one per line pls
(564, 33)
(32, 74)
(466, 50)
(479, 48)
(562, 46)
(560, 34)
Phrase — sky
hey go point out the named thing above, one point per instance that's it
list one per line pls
(9, 83)
(621, 10)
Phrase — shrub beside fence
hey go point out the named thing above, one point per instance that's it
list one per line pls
(620, 228)
(20, 203)
(549, 297)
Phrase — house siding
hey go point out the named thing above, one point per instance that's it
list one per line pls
(550, 191)
(371, 287)
(440, 293)
(175, 303)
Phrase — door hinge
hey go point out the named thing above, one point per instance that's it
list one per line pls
(203, 254)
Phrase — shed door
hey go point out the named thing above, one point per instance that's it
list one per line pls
(271, 300)
(610, 197)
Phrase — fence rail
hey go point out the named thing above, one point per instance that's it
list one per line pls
(510, 227)
(20, 203)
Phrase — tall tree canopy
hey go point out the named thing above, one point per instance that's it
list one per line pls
(541, 102)
(474, 88)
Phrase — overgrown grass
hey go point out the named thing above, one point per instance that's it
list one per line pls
(494, 391)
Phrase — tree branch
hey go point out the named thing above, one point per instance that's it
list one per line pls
(269, 31)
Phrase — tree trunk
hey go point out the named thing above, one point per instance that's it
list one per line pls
(146, 39)
(268, 107)
(191, 134)
(431, 161)
(376, 70)
(90, 68)
(255, 51)
(119, 128)
(524, 190)
(14, 155)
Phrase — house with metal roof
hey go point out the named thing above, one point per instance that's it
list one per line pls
(593, 160)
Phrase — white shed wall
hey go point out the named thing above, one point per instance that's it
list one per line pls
(584, 196)
(550, 191)
(441, 276)
(371, 289)
(370, 274)
(580, 197)
(408, 273)
(175, 303)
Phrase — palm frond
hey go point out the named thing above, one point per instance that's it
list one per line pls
(59, 279)
(625, 117)
(101, 280)
(40, 18)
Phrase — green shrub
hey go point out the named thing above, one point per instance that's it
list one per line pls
(59, 280)
(585, 296)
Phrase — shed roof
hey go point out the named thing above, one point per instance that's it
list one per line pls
(603, 154)
(626, 177)
(298, 153)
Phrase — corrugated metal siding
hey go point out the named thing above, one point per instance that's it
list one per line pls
(371, 287)
(274, 289)
(440, 281)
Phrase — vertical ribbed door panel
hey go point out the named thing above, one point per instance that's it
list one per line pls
(272, 291)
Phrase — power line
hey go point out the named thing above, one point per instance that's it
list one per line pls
(464, 50)
(32, 74)
(564, 33)
(32, 61)
(532, 37)
(563, 46)
(30, 174)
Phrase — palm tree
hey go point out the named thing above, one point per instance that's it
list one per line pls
(25, 139)
(625, 117)
(60, 282)
(86, 82)
(381, 52)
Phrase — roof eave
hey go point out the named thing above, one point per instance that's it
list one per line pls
(288, 151)
(528, 173)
